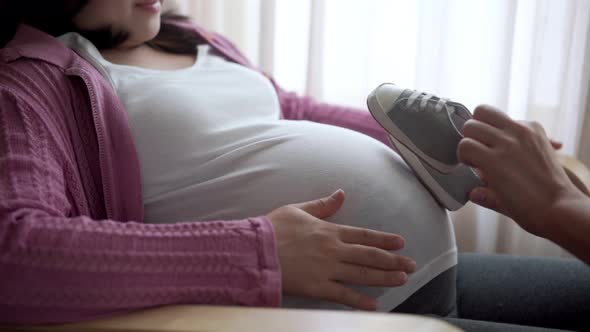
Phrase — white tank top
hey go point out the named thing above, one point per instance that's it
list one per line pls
(212, 147)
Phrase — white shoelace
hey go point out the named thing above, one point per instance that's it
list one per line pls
(424, 98)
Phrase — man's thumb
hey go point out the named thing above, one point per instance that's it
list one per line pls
(324, 207)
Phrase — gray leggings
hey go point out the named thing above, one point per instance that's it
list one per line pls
(505, 293)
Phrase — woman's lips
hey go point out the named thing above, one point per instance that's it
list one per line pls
(153, 6)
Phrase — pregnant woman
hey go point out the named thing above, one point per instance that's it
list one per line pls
(145, 163)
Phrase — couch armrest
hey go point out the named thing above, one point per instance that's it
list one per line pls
(232, 319)
(577, 172)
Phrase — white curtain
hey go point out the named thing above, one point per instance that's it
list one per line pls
(528, 57)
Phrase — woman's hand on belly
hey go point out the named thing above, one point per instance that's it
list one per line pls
(317, 257)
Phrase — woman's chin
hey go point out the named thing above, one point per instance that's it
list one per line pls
(146, 34)
(153, 28)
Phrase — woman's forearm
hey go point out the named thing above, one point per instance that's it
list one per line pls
(62, 270)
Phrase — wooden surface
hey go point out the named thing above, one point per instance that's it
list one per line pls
(241, 319)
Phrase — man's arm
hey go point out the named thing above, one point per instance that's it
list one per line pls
(569, 226)
(524, 179)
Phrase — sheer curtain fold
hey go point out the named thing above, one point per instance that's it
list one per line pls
(584, 150)
(527, 57)
(584, 140)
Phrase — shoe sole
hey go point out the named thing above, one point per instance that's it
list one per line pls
(380, 115)
(437, 191)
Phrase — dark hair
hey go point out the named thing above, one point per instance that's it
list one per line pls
(55, 17)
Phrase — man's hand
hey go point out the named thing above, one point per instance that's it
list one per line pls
(524, 179)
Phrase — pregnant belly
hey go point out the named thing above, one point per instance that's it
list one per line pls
(297, 161)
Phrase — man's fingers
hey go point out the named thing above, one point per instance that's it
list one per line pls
(482, 176)
(486, 198)
(556, 144)
(371, 238)
(473, 153)
(339, 293)
(492, 116)
(483, 133)
(376, 258)
(366, 276)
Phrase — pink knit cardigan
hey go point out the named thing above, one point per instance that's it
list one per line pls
(73, 245)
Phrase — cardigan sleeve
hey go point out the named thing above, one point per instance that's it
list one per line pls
(56, 268)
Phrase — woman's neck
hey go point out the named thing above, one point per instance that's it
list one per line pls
(125, 55)
(147, 57)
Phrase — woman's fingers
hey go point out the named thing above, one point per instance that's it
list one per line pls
(364, 275)
(370, 238)
(324, 207)
(339, 293)
(376, 258)
(315, 254)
